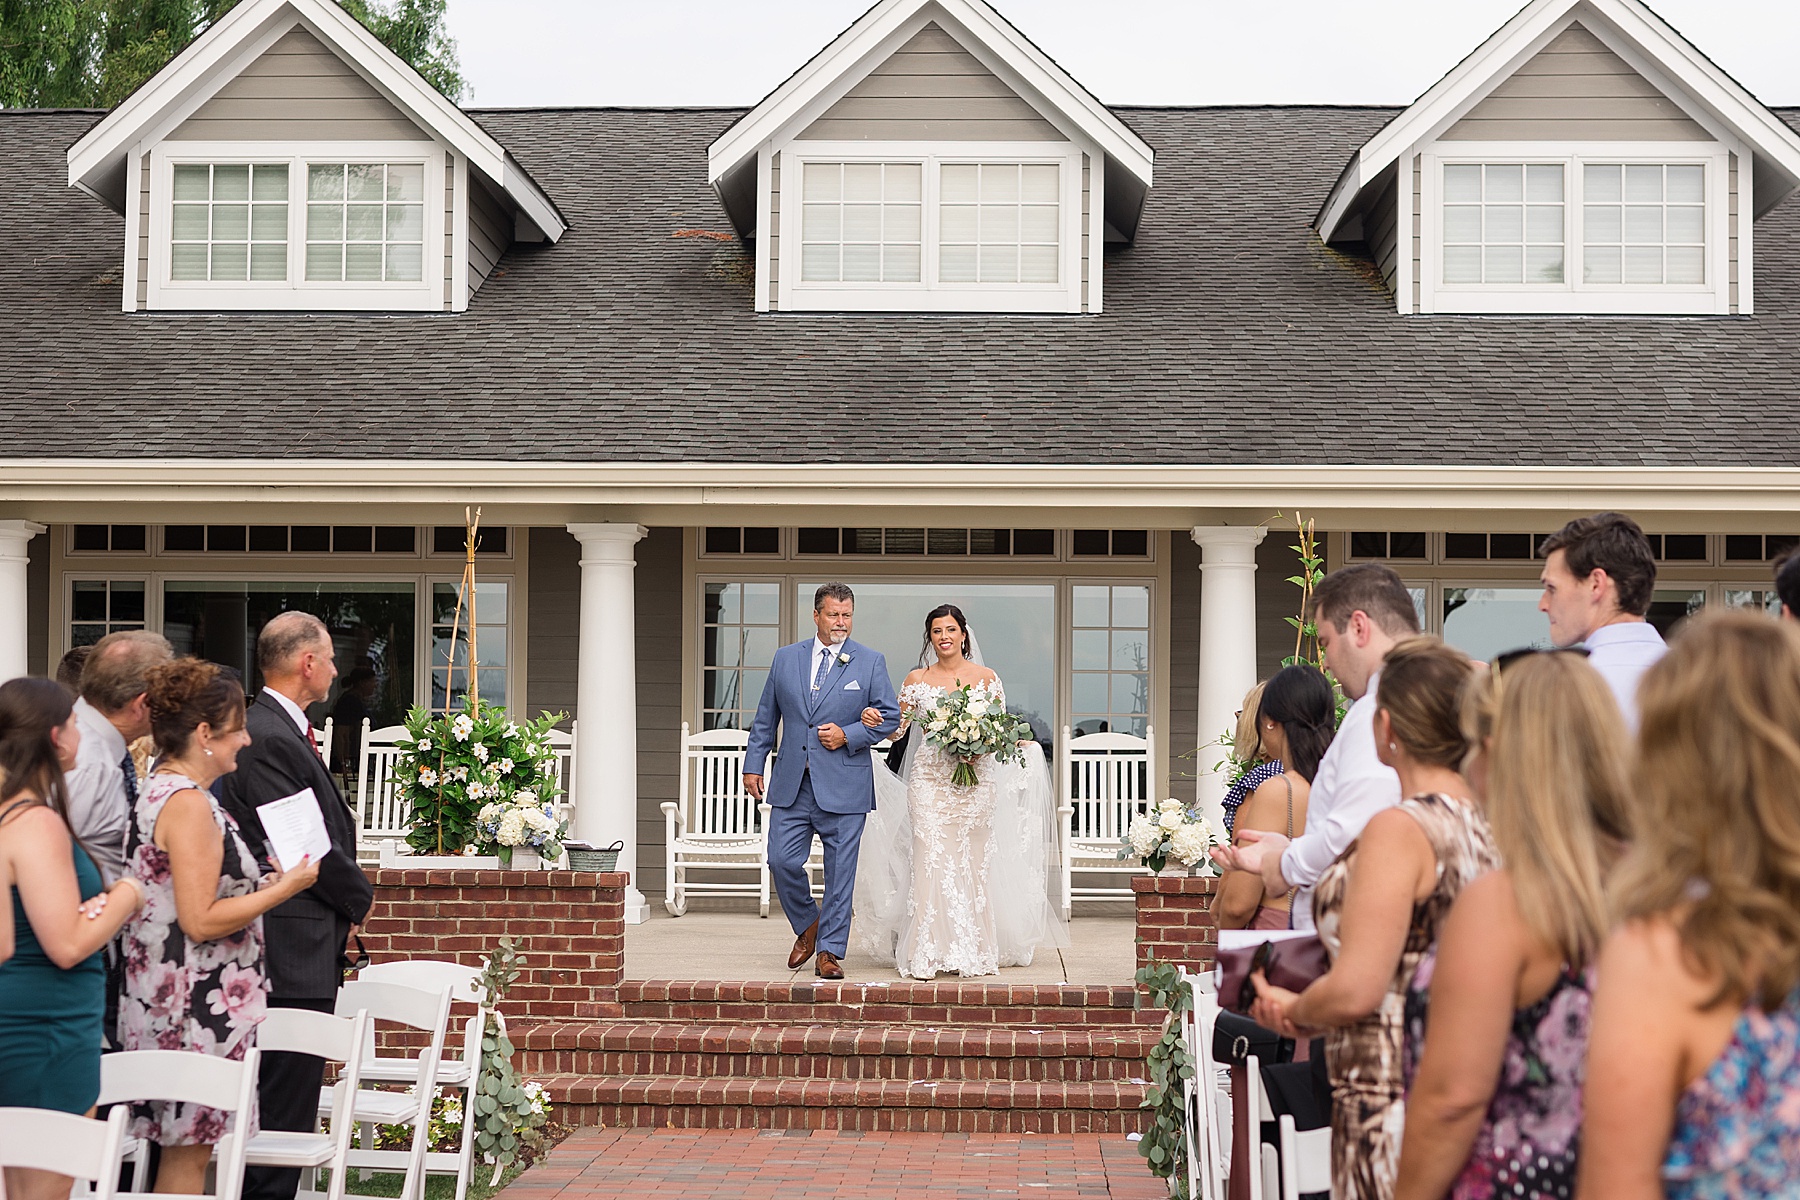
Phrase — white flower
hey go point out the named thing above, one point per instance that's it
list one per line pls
(1172, 820)
(977, 708)
(527, 797)
(481, 751)
(424, 744)
(461, 773)
(1144, 836)
(506, 766)
(1168, 803)
(512, 828)
(462, 727)
(477, 790)
(428, 777)
(843, 658)
(512, 729)
(1190, 843)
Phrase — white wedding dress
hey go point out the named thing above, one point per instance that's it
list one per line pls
(958, 880)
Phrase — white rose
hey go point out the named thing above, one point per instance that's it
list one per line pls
(978, 708)
(1170, 802)
(1172, 820)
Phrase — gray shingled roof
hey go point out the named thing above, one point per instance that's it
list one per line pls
(1230, 336)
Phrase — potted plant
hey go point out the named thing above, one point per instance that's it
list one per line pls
(477, 778)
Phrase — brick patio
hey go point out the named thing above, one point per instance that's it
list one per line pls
(680, 1164)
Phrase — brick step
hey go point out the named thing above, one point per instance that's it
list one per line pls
(950, 1106)
(772, 1052)
(898, 1003)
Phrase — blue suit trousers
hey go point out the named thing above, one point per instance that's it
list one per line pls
(791, 829)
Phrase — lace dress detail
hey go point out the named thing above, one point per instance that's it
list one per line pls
(949, 925)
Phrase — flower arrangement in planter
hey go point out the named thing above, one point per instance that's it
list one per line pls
(477, 778)
(1170, 832)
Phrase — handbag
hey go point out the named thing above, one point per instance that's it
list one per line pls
(1236, 1038)
(1292, 963)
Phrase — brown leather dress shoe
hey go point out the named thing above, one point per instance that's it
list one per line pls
(828, 966)
(803, 947)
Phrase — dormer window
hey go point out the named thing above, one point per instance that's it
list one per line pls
(1574, 229)
(336, 226)
(969, 230)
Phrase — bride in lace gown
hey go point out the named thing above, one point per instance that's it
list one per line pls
(956, 880)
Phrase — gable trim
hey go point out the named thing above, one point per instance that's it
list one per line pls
(827, 72)
(1721, 105)
(214, 58)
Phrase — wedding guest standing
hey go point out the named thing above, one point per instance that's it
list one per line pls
(1379, 907)
(194, 977)
(68, 670)
(1787, 584)
(1493, 1111)
(1295, 715)
(52, 986)
(1599, 577)
(1694, 1065)
(306, 936)
(1247, 748)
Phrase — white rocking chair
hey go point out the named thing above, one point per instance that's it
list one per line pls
(716, 826)
(1106, 782)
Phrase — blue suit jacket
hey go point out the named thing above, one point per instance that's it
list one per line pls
(841, 779)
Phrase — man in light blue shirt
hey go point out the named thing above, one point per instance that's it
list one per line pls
(1599, 578)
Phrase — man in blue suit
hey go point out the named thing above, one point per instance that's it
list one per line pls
(817, 690)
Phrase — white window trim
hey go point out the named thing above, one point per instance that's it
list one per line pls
(927, 296)
(1573, 296)
(295, 293)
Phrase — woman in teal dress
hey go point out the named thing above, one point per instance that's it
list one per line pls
(52, 988)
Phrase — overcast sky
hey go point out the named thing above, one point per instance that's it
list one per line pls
(711, 52)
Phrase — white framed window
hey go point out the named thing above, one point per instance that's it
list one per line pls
(326, 226)
(1577, 228)
(969, 227)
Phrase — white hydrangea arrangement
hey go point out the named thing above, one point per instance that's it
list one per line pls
(521, 820)
(1170, 831)
(474, 777)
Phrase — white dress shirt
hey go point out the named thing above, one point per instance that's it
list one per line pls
(1351, 786)
(294, 711)
(819, 648)
(1622, 653)
(99, 808)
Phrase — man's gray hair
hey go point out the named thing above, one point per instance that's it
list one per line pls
(286, 637)
(832, 591)
(118, 670)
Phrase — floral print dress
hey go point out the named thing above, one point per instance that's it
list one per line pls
(1529, 1141)
(1737, 1127)
(180, 994)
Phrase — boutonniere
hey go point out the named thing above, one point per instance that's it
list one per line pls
(843, 658)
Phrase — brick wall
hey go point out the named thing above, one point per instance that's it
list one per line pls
(570, 926)
(1175, 920)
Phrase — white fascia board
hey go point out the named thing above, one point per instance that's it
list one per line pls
(1762, 132)
(197, 73)
(788, 102)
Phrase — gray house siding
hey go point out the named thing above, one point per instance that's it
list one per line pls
(299, 91)
(659, 578)
(1381, 229)
(932, 89)
(490, 232)
(1576, 88)
(552, 621)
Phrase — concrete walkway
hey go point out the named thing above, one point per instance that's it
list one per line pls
(681, 1164)
(739, 945)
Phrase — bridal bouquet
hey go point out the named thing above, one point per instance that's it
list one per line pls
(1169, 831)
(968, 722)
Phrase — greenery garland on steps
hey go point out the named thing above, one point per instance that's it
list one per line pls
(1164, 1144)
(506, 1121)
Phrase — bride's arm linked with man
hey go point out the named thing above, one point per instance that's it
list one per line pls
(816, 692)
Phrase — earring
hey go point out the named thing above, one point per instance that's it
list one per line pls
(208, 750)
(1392, 746)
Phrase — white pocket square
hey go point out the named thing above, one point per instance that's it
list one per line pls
(853, 686)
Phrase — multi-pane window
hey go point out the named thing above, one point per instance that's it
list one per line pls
(450, 660)
(862, 223)
(1503, 223)
(999, 222)
(229, 222)
(98, 607)
(365, 222)
(741, 628)
(1643, 223)
(1110, 658)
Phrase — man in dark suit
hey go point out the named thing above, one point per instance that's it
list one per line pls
(304, 939)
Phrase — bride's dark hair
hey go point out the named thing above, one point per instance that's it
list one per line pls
(955, 614)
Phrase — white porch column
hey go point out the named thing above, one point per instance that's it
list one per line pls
(1227, 644)
(606, 699)
(14, 537)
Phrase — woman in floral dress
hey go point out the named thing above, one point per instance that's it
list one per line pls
(1496, 1064)
(193, 957)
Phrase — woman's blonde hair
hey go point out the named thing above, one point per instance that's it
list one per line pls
(1246, 741)
(1421, 686)
(1558, 782)
(1717, 824)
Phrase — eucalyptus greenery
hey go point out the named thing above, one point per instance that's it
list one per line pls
(506, 1119)
(1164, 1144)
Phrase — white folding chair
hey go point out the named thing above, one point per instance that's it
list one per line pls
(38, 1139)
(716, 825)
(459, 1073)
(379, 812)
(1106, 781)
(1305, 1160)
(190, 1078)
(414, 1008)
(1264, 1164)
(340, 1040)
(1207, 1161)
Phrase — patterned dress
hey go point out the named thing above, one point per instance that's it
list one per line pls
(180, 994)
(1737, 1127)
(1368, 1105)
(1529, 1141)
(1244, 788)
